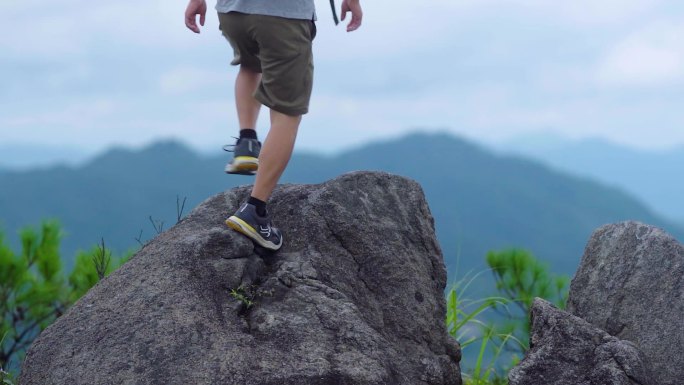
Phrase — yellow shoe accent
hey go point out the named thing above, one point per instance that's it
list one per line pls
(247, 165)
(241, 226)
(245, 229)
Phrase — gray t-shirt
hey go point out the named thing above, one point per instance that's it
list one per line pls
(292, 9)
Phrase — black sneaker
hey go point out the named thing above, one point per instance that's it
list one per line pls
(246, 156)
(259, 229)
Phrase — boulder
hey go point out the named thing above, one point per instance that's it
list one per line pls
(356, 296)
(566, 350)
(630, 283)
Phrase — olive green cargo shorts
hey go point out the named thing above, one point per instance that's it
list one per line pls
(280, 49)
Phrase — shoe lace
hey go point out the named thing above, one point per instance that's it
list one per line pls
(230, 147)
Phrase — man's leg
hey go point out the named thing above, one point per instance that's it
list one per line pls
(247, 106)
(246, 150)
(251, 218)
(275, 154)
(287, 64)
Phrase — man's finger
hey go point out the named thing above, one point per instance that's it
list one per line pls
(202, 18)
(190, 23)
(355, 22)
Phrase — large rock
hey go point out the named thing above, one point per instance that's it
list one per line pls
(354, 297)
(566, 350)
(630, 283)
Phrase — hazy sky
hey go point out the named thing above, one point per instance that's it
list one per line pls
(94, 73)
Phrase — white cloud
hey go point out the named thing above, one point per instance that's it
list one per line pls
(74, 27)
(487, 112)
(46, 36)
(182, 80)
(601, 11)
(651, 56)
(589, 12)
(80, 115)
(102, 122)
(78, 71)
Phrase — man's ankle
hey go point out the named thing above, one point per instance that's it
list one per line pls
(259, 205)
(248, 133)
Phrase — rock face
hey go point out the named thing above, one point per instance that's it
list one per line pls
(354, 297)
(631, 284)
(566, 350)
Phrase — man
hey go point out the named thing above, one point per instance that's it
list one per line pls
(271, 40)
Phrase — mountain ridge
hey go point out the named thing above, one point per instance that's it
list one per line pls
(651, 176)
(480, 200)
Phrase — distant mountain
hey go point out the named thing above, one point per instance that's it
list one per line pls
(18, 157)
(655, 177)
(112, 196)
(480, 201)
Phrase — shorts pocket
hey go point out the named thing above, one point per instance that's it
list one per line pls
(313, 30)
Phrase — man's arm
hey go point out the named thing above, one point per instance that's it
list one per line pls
(195, 7)
(354, 7)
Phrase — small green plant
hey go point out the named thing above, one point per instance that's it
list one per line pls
(493, 373)
(5, 378)
(520, 278)
(157, 225)
(179, 208)
(101, 259)
(243, 295)
(92, 266)
(464, 322)
(139, 239)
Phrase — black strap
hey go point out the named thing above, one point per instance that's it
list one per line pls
(332, 5)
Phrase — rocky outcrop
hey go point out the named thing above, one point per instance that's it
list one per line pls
(630, 283)
(354, 297)
(566, 350)
(625, 320)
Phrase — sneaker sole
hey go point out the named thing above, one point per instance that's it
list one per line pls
(244, 228)
(244, 165)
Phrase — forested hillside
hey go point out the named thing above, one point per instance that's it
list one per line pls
(480, 201)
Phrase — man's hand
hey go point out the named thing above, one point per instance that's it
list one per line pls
(195, 7)
(354, 7)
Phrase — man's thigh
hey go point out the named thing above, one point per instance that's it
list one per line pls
(285, 53)
(235, 28)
